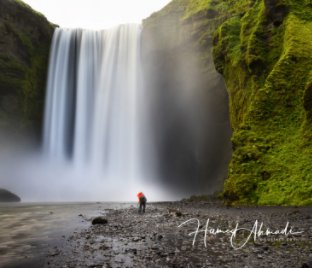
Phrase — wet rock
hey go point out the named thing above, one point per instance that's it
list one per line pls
(178, 213)
(99, 220)
(54, 252)
(133, 250)
(307, 265)
(103, 247)
(7, 196)
(174, 212)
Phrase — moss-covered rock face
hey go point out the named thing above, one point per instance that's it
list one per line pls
(25, 37)
(265, 56)
(263, 49)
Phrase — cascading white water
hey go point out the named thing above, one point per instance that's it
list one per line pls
(106, 136)
(92, 117)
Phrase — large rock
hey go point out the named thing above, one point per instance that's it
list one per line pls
(99, 220)
(7, 196)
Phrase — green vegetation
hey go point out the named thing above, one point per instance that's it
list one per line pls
(24, 49)
(263, 49)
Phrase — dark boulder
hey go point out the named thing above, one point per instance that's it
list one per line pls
(7, 196)
(307, 265)
(99, 220)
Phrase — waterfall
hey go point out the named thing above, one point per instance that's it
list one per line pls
(94, 92)
(108, 133)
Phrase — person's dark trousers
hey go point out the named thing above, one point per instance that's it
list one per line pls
(142, 206)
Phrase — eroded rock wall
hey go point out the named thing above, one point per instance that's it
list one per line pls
(25, 38)
(189, 103)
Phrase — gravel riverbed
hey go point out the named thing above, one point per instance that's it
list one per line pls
(165, 237)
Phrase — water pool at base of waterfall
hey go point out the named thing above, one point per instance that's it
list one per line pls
(28, 230)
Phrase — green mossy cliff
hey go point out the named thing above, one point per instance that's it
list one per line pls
(265, 55)
(25, 38)
(263, 48)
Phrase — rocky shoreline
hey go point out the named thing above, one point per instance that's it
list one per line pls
(155, 239)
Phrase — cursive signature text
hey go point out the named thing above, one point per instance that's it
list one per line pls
(256, 232)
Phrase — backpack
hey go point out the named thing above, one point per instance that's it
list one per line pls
(143, 199)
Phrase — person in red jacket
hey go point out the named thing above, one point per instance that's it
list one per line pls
(142, 202)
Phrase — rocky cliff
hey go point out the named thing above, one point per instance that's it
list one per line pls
(25, 38)
(189, 103)
(264, 54)
(263, 50)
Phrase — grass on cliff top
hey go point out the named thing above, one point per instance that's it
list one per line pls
(225, 8)
(175, 7)
(26, 6)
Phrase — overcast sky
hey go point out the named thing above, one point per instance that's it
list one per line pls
(96, 14)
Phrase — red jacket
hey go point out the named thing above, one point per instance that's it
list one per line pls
(140, 195)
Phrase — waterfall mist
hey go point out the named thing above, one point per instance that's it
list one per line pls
(189, 106)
